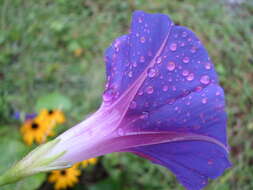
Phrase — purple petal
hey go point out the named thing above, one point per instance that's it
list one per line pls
(200, 112)
(130, 54)
(192, 162)
(173, 87)
(162, 101)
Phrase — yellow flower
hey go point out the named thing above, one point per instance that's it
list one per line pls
(91, 161)
(78, 52)
(54, 116)
(84, 163)
(35, 130)
(63, 179)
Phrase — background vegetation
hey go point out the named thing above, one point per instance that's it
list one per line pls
(57, 47)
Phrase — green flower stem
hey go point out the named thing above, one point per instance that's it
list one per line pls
(35, 162)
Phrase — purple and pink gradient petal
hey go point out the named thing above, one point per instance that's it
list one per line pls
(174, 89)
(162, 101)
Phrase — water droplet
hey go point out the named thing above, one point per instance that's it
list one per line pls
(186, 59)
(190, 77)
(184, 34)
(149, 89)
(152, 72)
(140, 20)
(171, 66)
(140, 93)
(142, 40)
(117, 49)
(182, 44)
(120, 132)
(185, 73)
(217, 93)
(193, 49)
(210, 162)
(133, 105)
(130, 74)
(165, 88)
(208, 66)
(176, 108)
(188, 103)
(204, 100)
(198, 88)
(174, 88)
(108, 95)
(144, 115)
(142, 59)
(173, 47)
(134, 64)
(159, 60)
(205, 79)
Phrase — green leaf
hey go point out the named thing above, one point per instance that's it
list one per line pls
(13, 149)
(53, 101)
(108, 184)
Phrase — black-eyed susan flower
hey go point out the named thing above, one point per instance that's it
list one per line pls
(55, 116)
(65, 178)
(91, 161)
(35, 130)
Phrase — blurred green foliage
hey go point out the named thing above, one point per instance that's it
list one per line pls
(57, 46)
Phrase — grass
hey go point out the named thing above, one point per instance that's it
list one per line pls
(58, 46)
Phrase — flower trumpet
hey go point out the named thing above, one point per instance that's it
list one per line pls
(162, 101)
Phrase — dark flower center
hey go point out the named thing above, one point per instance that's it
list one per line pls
(35, 126)
(63, 172)
(50, 112)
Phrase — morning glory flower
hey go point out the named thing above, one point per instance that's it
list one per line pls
(162, 101)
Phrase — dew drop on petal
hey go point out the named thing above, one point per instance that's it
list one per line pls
(144, 115)
(182, 44)
(210, 162)
(208, 66)
(186, 59)
(133, 105)
(217, 93)
(173, 47)
(120, 132)
(152, 72)
(108, 96)
(171, 66)
(149, 90)
(140, 93)
(140, 20)
(190, 77)
(142, 40)
(193, 49)
(204, 100)
(185, 73)
(184, 34)
(142, 59)
(165, 88)
(159, 60)
(205, 79)
(130, 74)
